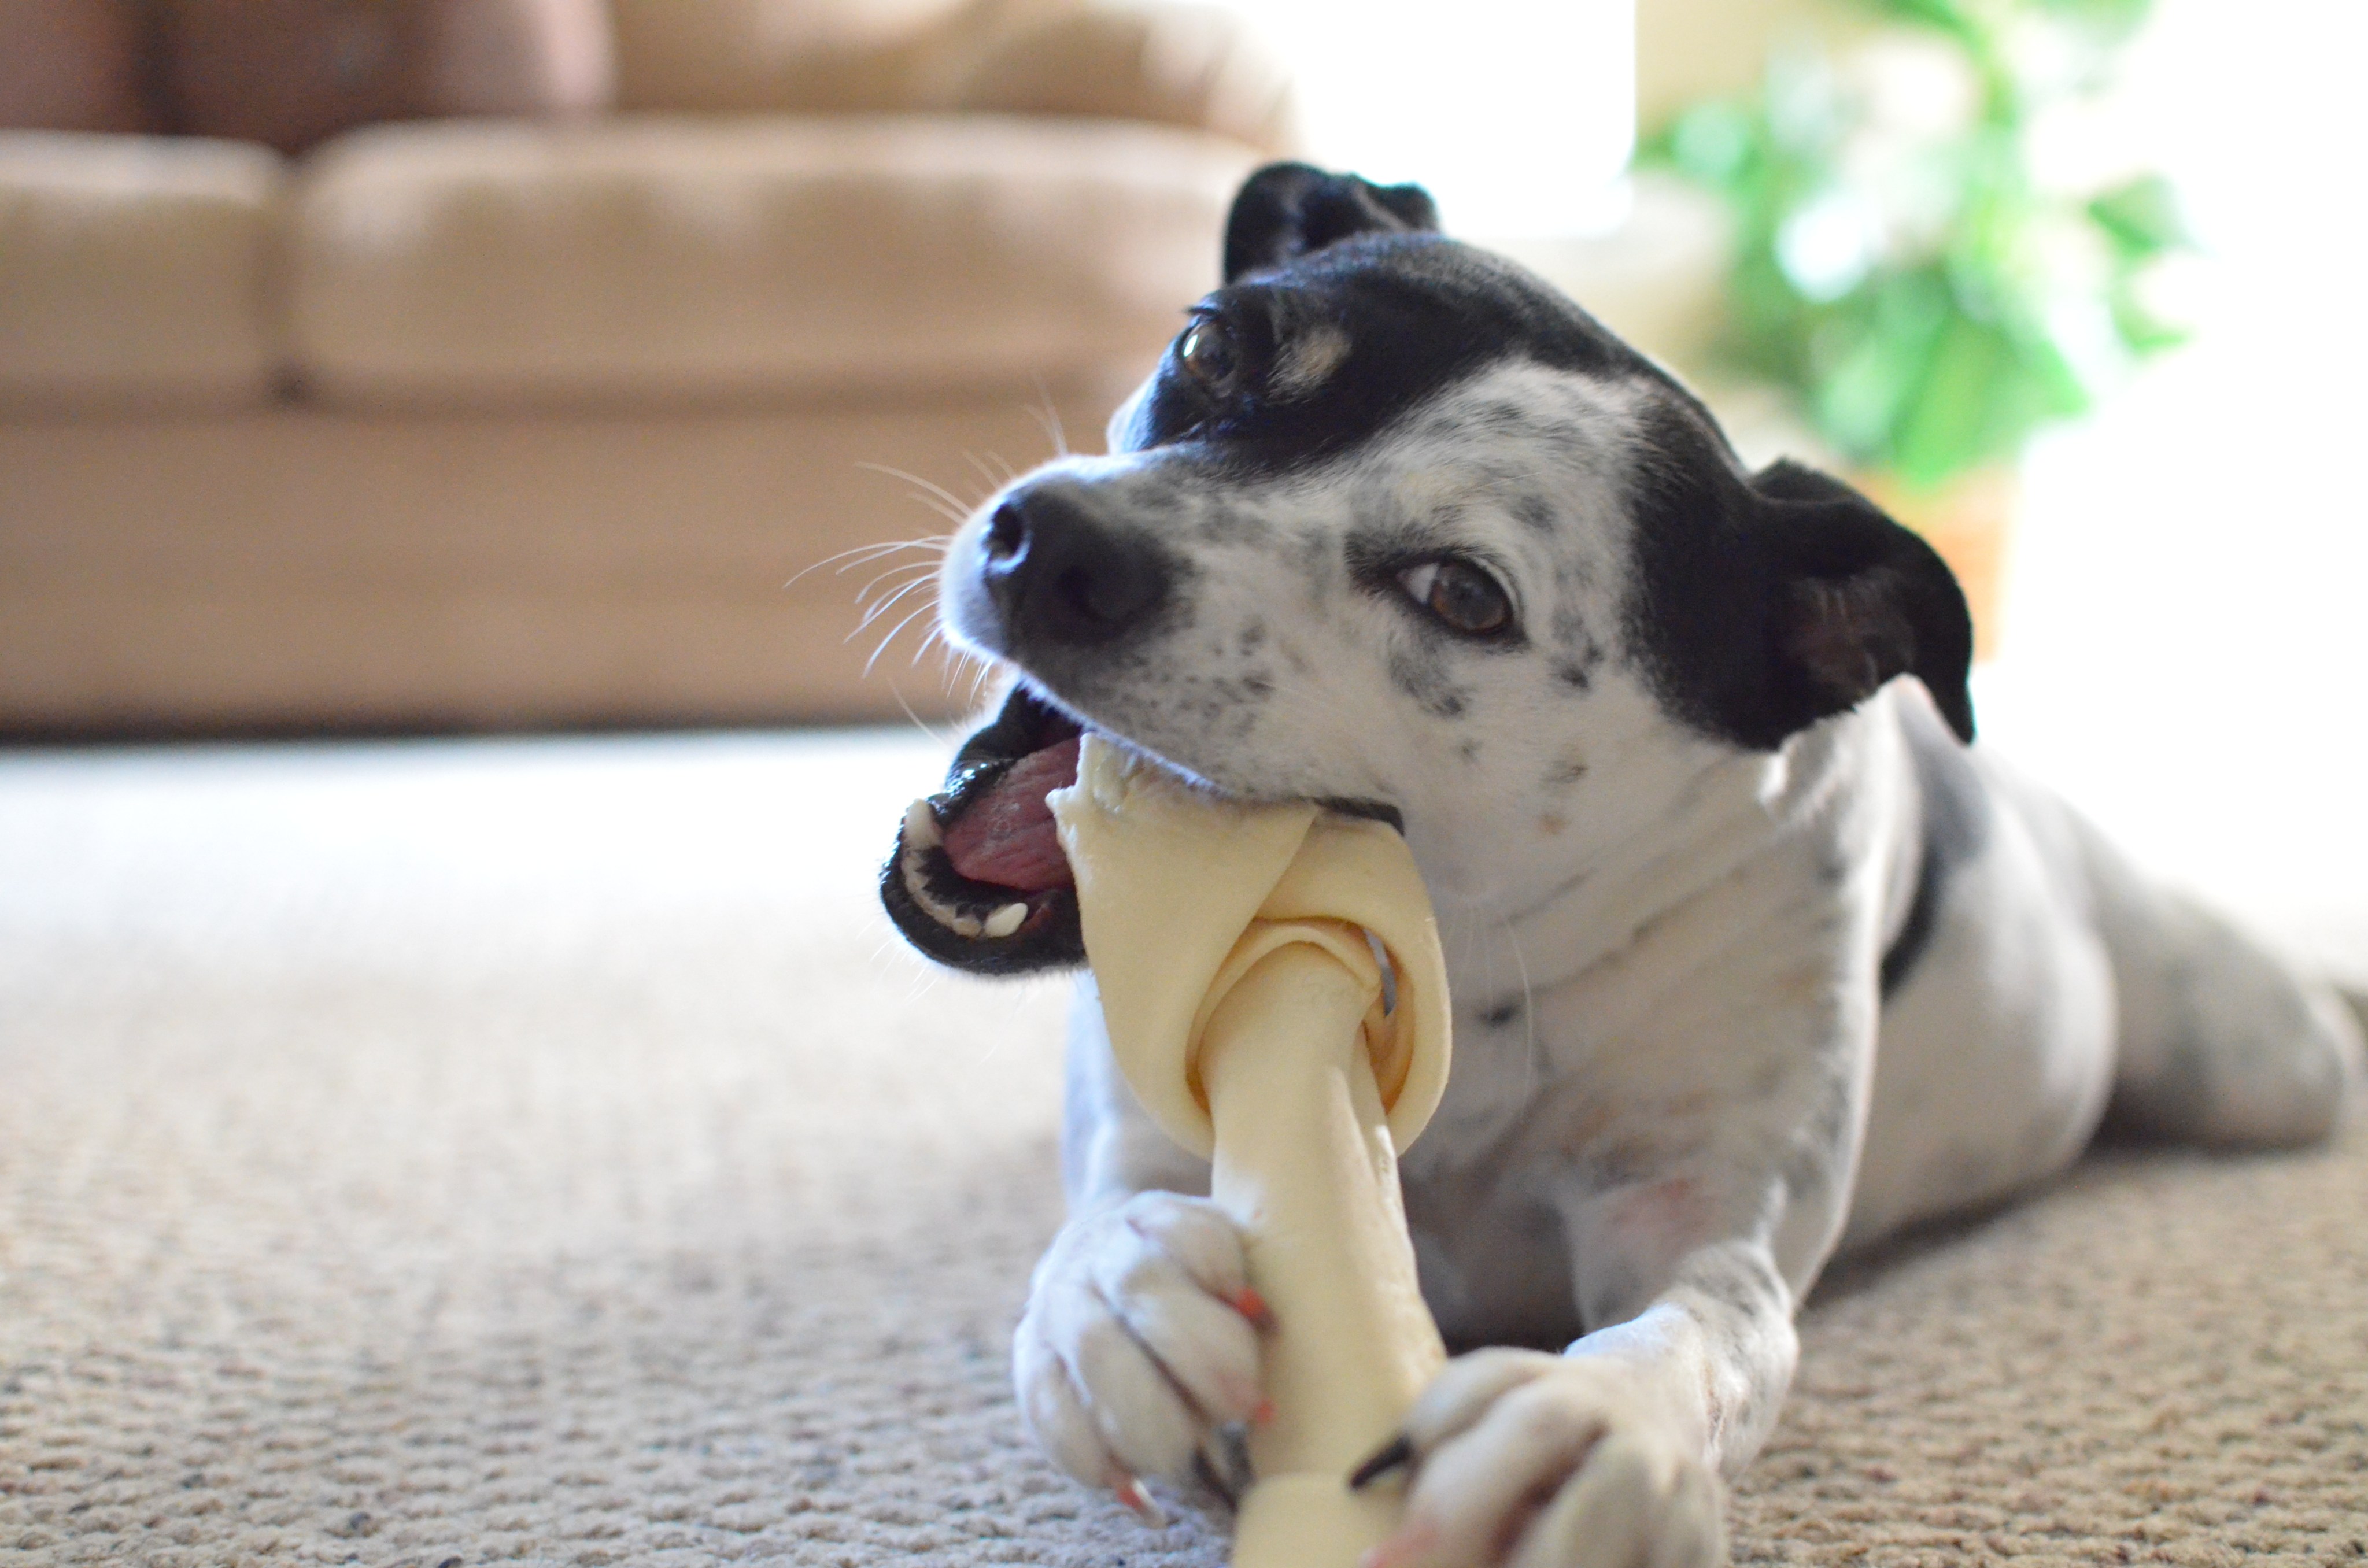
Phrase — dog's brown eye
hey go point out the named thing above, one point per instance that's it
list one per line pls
(1208, 357)
(1461, 593)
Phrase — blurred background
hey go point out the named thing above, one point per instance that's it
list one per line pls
(429, 366)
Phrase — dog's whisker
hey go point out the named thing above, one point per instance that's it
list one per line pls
(933, 638)
(884, 605)
(930, 486)
(1048, 419)
(927, 563)
(890, 573)
(941, 741)
(978, 679)
(1529, 1009)
(902, 576)
(887, 596)
(992, 469)
(863, 554)
(892, 637)
(936, 546)
(949, 514)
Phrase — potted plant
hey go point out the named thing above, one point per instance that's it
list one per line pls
(1918, 265)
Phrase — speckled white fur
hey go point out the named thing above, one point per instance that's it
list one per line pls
(1665, 1113)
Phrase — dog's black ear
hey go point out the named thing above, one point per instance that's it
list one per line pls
(1289, 209)
(1856, 600)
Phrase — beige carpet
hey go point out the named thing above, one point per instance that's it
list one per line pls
(447, 1155)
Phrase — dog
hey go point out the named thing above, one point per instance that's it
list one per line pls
(1756, 956)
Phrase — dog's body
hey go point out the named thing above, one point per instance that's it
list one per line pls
(1683, 755)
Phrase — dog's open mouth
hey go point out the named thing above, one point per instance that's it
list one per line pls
(978, 879)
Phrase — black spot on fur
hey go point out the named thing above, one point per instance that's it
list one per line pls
(1812, 1167)
(1253, 638)
(1421, 675)
(1502, 1014)
(1569, 625)
(1469, 751)
(1620, 1163)
(1578, 675)
(1956, 825)
(1535, 513)
(1746, 1294)
(1224, 524)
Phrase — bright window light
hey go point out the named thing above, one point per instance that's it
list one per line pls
(1518, 115)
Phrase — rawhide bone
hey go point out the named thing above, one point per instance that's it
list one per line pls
(1236, 951)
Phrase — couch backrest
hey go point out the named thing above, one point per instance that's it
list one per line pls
(791, 55)
(72, 65)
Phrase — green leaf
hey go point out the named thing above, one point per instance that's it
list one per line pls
(2143, 218)
(1958, 21)
(1946, 357)
(1867, 359)
(2107, 22)
(2142, 331)
(1714, 142)
(1948, 425)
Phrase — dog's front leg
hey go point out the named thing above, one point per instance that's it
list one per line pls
(1607, 1454)
(1140, 1335)
(1688, 1264)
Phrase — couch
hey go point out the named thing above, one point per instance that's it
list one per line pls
(471, 422)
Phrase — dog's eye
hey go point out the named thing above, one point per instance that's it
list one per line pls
(1209, 357)
(1461, 593)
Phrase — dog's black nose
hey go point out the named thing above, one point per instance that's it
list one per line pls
(1057, 575)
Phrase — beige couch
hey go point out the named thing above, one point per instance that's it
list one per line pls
(475, 423)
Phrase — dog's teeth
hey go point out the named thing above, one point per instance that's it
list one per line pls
(944, 914)
(922, 833)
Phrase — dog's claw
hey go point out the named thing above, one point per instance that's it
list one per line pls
(1138, 1502)
(1399, 1450)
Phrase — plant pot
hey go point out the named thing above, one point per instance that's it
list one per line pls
(1970, 521)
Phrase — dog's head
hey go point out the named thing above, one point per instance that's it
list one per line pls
(1397, 526)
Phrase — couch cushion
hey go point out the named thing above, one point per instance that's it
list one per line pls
(292, 72)
(72, 65)
(670, 257)
(784, 54)
(1200, 65)
(134, 267)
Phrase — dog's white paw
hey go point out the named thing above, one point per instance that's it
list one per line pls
(1532, 1461)
(1139, 1338)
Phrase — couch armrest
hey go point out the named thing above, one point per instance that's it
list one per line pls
(1163, 61)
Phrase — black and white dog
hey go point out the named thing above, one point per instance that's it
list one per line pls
(1755, 955)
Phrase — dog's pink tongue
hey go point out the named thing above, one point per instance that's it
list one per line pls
(1006, 836)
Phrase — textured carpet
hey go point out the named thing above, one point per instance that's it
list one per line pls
(447, 1155)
